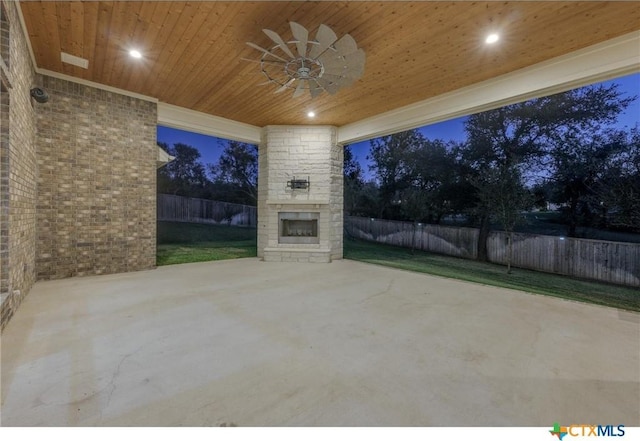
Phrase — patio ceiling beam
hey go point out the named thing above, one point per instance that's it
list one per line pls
(193, 121)
(613, 58)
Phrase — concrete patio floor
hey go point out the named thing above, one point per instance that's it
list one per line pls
(252, 343)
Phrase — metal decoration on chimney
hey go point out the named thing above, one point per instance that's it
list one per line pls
(298, 184)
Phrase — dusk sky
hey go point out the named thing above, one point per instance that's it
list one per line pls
(210, 147)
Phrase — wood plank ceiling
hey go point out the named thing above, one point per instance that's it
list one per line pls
(415, 50)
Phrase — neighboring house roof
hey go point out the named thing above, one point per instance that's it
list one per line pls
(163, 157)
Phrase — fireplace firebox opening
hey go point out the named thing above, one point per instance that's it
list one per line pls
(298, 228)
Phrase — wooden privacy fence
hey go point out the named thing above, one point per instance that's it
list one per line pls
(613, 262)
(460, 242)
(204, 211)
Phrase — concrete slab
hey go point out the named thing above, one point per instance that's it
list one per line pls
(256, 343)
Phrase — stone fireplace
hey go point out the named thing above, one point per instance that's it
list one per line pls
(300, 194)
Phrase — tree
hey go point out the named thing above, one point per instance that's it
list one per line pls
(237, 170)
(368, 201)
(517, 137)
(541, 193)
(185, 175)
(580, 162)
(353, 181)
(430, 176)
(498, 195)
(431, 173)
(618, 191)
(389, 155)
(502, 189)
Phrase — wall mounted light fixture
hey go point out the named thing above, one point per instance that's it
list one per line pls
(39, 95)
(298, 184)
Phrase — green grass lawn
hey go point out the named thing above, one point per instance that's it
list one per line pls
(180, 242)
(183, 242)
(495, 275)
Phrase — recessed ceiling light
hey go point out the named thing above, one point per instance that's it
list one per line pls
(135, 54)
(492, 38)
(311, 114)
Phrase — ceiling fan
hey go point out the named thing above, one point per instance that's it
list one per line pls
(325, 63)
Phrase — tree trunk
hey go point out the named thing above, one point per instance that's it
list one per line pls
(482, 238)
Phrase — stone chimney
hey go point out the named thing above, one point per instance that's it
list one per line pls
(300, 194)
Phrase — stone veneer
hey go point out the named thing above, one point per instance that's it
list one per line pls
(304, 152)
(18, 168)
(97, 182)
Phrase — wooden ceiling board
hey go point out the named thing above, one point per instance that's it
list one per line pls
(162, 24)
(50, 27)
(415, 50)
(200, 77)
(141, 29)
(102, 30)
(90, 21)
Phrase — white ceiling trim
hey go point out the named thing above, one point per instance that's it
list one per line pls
(193, 121)
(613, 58)
(100, 86)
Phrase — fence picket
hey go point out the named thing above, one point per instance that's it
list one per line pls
(613, 262)
(183, 209)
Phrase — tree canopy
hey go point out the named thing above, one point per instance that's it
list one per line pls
(561, 149)
(232, 179)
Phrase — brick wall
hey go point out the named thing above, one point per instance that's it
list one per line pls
(97, 182)
(4, 189)
(77, 176)
(18, 169)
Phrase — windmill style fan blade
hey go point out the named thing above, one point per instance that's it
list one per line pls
(333, 64)
(328, 85)
(285, 86)
(273, 62)
(337, 80)
(325, 64)
(301, 34)
(346, 45)
(331, 77)
(351, 65)
(354, 64)
(325, 38)
(279, 41)
(315, 89)
(255, 46)
(300, 89)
